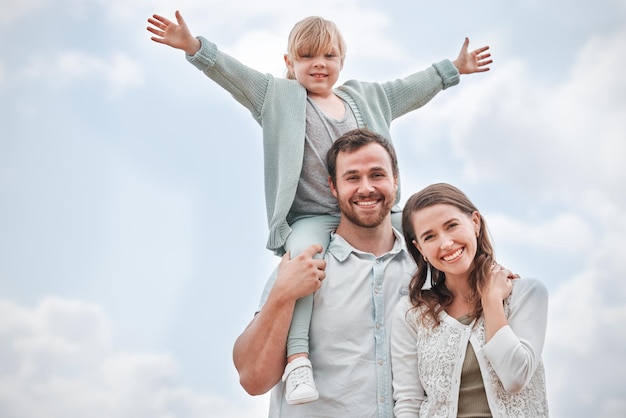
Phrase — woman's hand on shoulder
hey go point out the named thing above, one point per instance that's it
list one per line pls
(499, 283)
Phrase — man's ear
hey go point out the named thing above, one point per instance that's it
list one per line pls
(332, 187)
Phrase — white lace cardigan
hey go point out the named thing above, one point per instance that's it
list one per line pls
(427, 363)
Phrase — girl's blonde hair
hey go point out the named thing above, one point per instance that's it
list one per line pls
(314, 35)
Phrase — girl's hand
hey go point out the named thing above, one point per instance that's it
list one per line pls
(476, 61)
(175, 35)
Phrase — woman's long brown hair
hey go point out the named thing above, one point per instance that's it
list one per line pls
(438, 297)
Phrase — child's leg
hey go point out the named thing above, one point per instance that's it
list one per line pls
(306, 232)
(298, 377)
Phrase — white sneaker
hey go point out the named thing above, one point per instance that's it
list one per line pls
(299, 384)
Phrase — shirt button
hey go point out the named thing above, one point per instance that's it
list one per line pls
(381, 362)
(378, 325)
(381, 399)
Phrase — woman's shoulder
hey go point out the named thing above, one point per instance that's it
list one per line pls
(529, 288)
(406, 309)
(529, 283)
(404, 304)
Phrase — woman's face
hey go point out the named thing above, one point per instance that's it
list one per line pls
(447, 238)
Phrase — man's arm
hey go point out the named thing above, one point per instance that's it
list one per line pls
(260, 353)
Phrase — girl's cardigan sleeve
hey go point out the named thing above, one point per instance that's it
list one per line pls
(247, 85)
(414, 91)
(381, 103)
(515, 350)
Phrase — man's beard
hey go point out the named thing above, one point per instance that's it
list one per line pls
(367, 221)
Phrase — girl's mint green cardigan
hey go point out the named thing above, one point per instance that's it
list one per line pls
(279, 106)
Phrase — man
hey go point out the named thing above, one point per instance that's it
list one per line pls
(367, 268)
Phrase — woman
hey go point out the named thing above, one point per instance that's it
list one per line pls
(468, 344)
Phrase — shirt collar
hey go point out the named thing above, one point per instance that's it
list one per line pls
(341, 249)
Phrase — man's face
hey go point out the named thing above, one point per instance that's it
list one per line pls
(366, 187)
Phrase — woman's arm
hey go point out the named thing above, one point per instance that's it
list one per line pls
(408, 393)
(515, 349)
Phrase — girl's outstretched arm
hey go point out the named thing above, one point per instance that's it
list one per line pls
(175, 35)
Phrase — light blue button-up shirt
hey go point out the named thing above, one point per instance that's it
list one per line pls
(349, 334)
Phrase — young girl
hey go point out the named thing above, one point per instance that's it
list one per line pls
(468, 345)
(301, 116)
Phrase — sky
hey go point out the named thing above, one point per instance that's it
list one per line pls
(132, 216)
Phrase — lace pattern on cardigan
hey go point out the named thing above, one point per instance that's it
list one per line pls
(443, 344)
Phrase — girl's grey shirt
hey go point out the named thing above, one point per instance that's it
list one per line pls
(279, 106)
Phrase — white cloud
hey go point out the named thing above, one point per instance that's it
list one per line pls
(12, 10)
(59, 361)
(117, 73)
(121, 72)
(54, 335)
(262, 50)
(590, 110)
(564, 231)
(551, 141)
(585, 345)
(146, 245)
(2, 76)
